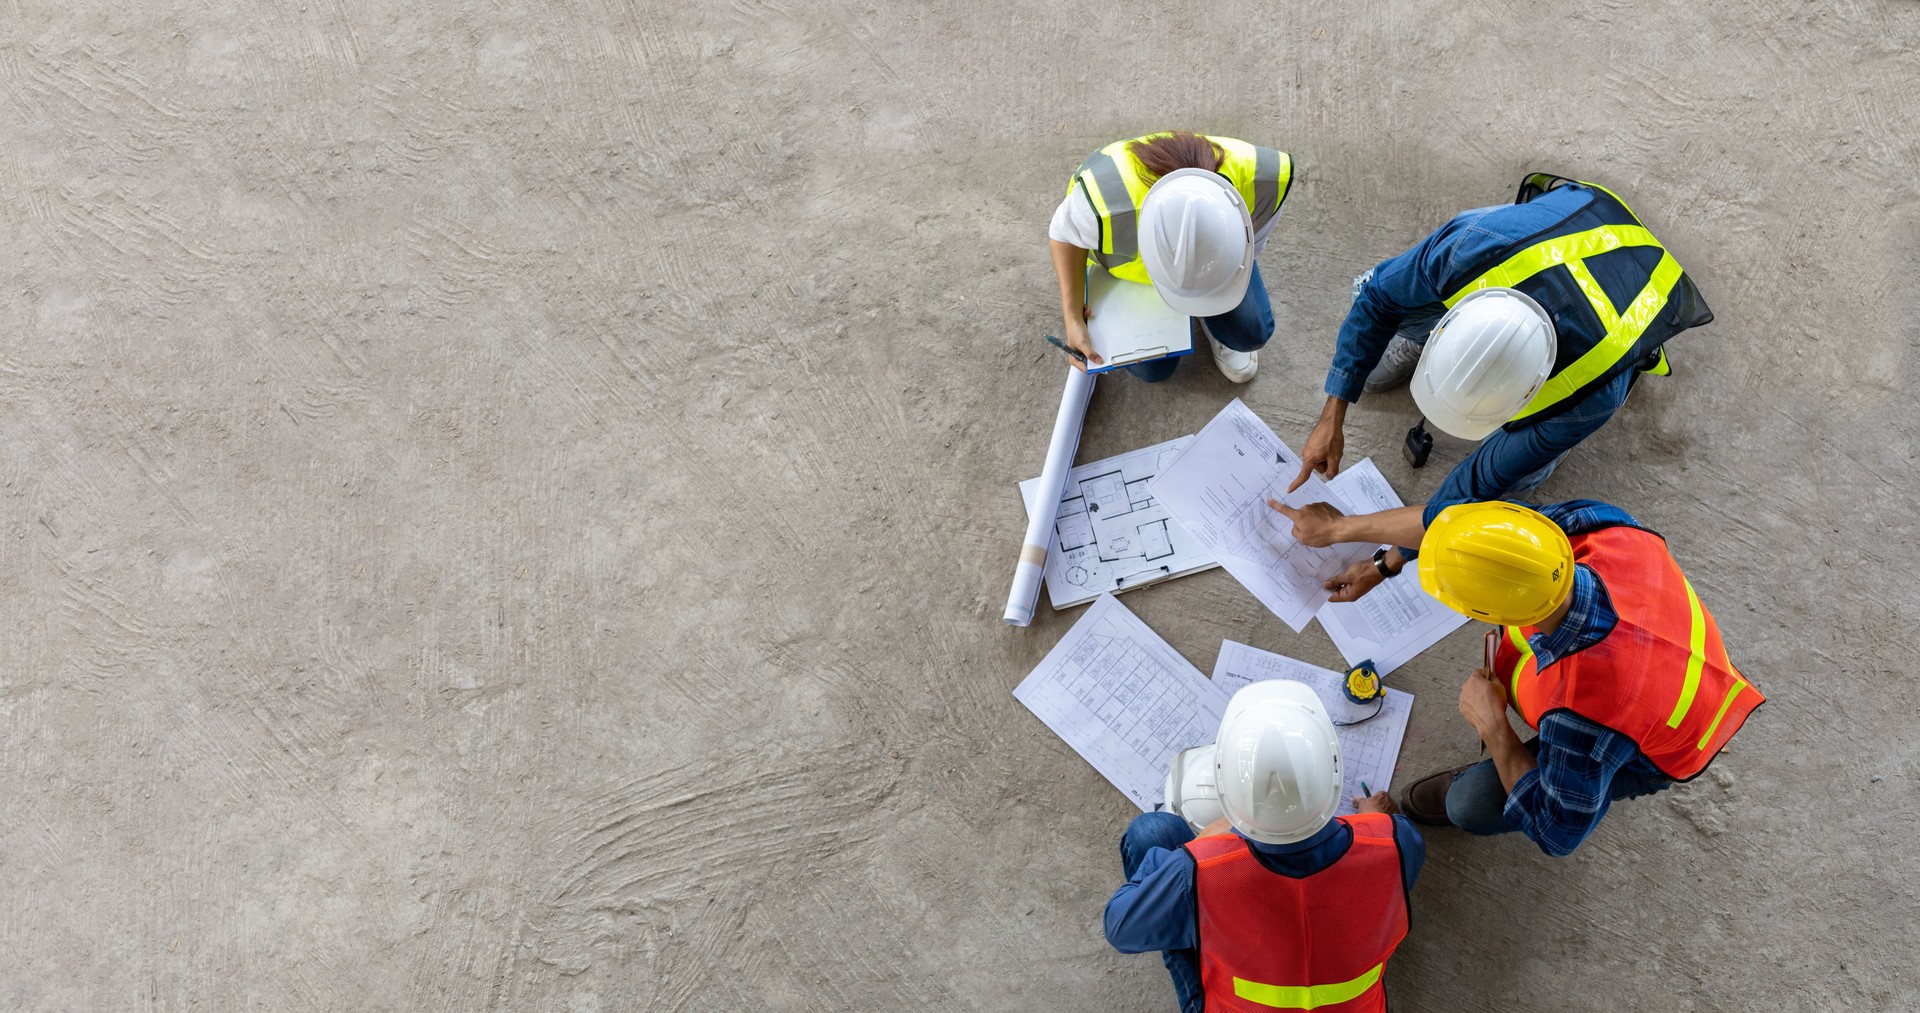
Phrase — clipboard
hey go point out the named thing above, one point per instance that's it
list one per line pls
(1131, 324)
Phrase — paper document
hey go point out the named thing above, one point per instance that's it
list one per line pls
(1397, 619)
(1123, 699)
(1110, 535)
(1218, 489)
(1368, 751)
(1131, 323)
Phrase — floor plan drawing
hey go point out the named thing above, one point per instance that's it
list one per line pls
(1123, 699)
(1110, 535)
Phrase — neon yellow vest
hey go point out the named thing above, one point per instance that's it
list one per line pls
(1112, 180)
(1596, 340)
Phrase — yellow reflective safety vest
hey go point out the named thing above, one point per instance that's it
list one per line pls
(1614, 293)
(1113, 182)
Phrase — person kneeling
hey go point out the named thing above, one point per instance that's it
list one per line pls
(1226, 907)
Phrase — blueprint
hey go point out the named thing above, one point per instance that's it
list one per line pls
(1218, 488)
(1368, 751)
(1110, 534)
(1397, 619)
(1123, 699)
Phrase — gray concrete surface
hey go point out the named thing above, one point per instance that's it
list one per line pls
(509, 508)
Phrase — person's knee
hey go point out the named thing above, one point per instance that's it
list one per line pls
(1477, 807)
(1154, 372)
(1149, 831)
(1155, 830)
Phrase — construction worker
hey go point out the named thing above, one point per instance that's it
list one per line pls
(1227, 908)
(1605, 651)
(1187, 214)
(1522, 326)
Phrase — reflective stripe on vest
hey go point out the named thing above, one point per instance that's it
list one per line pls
(1526, 659)
(1639, 667)
(1111, 180)
(1623, 329)
(1306, 996)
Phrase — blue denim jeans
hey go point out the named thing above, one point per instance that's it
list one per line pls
(1165, 830)
(1244, 328)
(1477, 801)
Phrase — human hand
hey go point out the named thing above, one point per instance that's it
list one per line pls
(1322, 452)
(1378, 802)
(1316, 525)
(1354, 581)
(1080, 341)
(1219, 826)
(1483, 702)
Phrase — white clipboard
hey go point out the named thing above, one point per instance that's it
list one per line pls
(1131, 324)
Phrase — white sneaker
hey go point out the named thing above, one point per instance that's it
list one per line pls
(1238, 367)
(1396, 366)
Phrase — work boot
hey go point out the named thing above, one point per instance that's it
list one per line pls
(1238, 367)
(1425, 801)
(1396, 366)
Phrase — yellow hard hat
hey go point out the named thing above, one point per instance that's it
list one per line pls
(1499, 562)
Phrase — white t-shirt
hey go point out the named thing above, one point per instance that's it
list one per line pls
(1075, 224)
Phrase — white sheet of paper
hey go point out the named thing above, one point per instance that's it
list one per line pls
(1122, 698)
(1218, 489)
(1110, 534)
(1368, 751)
(1131, 323)
(1397, 619)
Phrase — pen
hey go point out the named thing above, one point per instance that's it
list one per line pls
(1063, 346)
(1368, 792)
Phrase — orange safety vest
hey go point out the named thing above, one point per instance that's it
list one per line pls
(1270, 942)
(1662, 677)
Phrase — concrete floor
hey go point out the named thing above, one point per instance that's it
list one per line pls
(510, 510)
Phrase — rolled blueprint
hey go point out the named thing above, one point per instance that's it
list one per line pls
(1046, 501)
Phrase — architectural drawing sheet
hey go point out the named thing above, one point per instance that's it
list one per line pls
(1397, 619)
(1218, 488)
(1123, 699)
(1368, 751)
(1110, 535)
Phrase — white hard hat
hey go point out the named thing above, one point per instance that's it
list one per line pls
(1191, 793)
(1196, 240)
(1483, 362)
(1277, 762)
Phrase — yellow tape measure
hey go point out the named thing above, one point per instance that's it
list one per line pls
(1363, 683)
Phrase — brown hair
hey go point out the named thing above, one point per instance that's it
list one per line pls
(1163, 153)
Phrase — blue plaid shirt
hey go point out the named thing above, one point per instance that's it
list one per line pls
(1583, 765)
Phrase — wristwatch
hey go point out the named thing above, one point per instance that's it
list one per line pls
(1380, 562)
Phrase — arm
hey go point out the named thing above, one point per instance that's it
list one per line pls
(1322, 524)
(1382, 299)
(1154, 910)
(1070, 268)
(1483, 702)
(1558, 804)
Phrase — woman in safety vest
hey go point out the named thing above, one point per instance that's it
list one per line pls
(1224, 908)
(1187, 214)
(1522, 326)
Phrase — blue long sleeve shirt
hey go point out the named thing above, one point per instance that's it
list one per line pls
(1155, 909)
(1416, 282)
(1560, 802)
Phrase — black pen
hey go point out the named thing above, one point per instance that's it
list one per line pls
(1063, 346)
